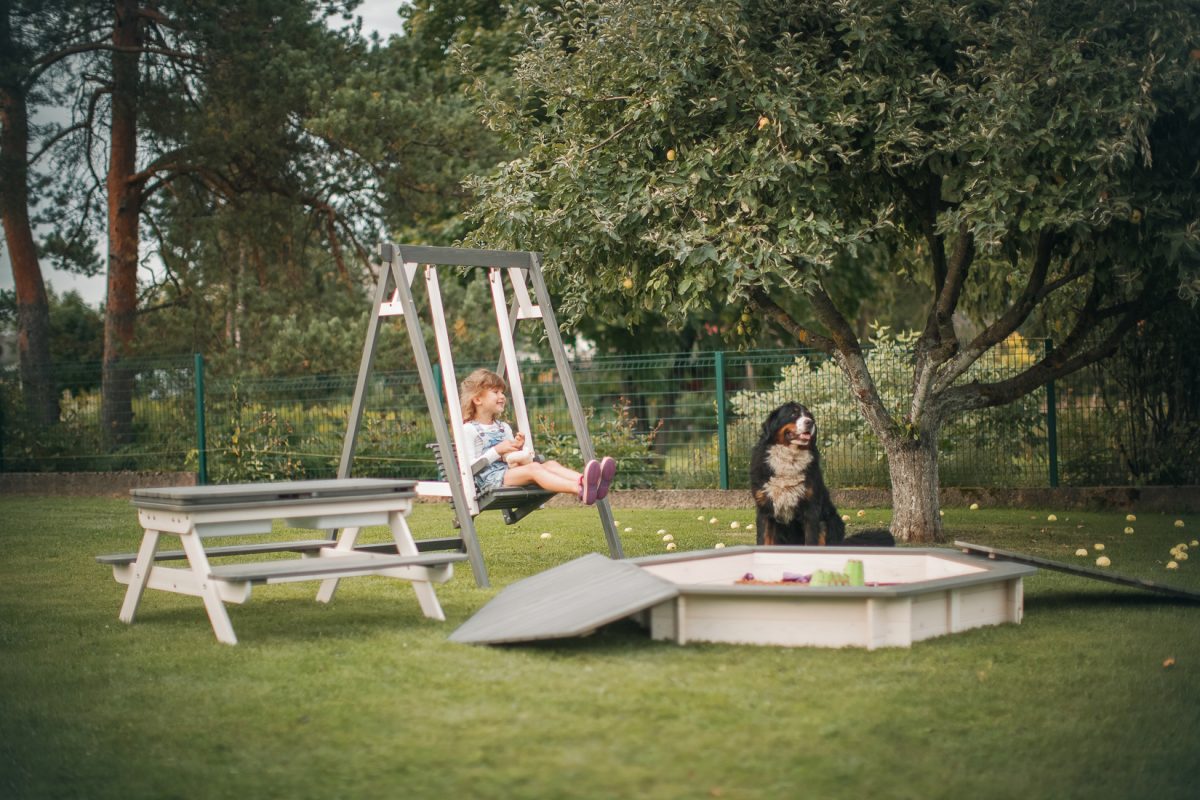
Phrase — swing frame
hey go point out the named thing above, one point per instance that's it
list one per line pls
(394, 296)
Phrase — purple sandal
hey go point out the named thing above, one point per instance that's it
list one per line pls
(589, 483)
(608, 470)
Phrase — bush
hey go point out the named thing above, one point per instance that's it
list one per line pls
(977, 448)
(615, 436)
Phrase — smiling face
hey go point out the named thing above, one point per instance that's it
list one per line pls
(793, 425)
(489, 404)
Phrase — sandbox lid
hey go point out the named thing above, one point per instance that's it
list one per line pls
(573, 599)
(1076, 569)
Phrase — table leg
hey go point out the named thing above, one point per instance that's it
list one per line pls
(346, 541)
(217, 615)
(406, 546)
(141, 574)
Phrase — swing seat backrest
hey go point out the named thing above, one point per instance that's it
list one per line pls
(515, 503)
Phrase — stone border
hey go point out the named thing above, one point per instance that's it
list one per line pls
(89, 484)
(1167, 499)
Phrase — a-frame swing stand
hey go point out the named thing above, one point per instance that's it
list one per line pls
(394, 297)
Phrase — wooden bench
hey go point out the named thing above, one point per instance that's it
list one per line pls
(198, 513)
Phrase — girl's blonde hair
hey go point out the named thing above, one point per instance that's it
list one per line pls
(473, 385)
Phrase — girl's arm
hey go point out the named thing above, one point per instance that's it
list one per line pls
(475, 448)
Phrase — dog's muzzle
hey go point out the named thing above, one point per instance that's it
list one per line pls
(801, 432)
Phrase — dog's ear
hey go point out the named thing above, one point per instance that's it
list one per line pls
(769, 424)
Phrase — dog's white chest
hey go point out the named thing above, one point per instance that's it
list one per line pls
(786, 488)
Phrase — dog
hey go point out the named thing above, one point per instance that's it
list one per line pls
(794, 506)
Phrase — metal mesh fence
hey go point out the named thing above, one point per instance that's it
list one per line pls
(150, 424)
(675, 420)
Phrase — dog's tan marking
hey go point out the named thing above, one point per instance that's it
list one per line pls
(786, 488)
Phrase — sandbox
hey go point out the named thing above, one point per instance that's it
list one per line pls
(911, 594)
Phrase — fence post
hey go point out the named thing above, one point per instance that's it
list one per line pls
(201, 438)
(722, 430)
(1052, 423)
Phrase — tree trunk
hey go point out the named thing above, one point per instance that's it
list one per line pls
(913, 466)
(33, 307)
(124, 208)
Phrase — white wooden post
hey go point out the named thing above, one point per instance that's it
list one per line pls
(450, 389)
(509, 350)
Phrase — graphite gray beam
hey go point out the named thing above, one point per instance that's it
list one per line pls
(567, 379)
(463, 256)
(438, 417)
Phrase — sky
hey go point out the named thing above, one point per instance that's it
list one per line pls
(377, 15)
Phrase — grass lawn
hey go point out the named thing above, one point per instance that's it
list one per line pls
(365, 698)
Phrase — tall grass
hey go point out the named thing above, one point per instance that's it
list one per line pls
(365, 698)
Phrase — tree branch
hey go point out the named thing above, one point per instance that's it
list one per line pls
(784, 320)
(848, 355)
(1035, 291)
(166, 161)
(1072, 355)
(959, 267)
(58, 137)
(50, 59)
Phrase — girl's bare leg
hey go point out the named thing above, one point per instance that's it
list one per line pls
(544, 477)
(559, 469)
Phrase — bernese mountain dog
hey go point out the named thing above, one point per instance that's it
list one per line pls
(794, 506)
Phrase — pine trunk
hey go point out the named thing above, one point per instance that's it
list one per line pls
(33, 307)
(124, 208)
(913, 466)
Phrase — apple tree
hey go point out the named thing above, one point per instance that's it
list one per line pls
(1033, 161)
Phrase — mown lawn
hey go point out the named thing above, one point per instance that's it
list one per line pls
(366, 698)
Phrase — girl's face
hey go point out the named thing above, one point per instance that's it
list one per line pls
(489, 403)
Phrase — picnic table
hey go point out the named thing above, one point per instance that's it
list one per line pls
(197, 514)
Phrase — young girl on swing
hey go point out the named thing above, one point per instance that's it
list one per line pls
(482, 398)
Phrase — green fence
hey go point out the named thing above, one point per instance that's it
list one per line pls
(675, 420)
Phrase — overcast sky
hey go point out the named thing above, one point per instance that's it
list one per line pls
(377, 15)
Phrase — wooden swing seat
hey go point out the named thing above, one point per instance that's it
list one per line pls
(514, 502)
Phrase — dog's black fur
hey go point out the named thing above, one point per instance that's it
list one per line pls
(794, 506)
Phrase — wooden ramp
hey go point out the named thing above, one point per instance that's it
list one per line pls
(573, 599)
(1072, 569)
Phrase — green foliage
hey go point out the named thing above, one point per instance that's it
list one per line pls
(1150, 395)
(1025, 163)
(617, 436)
(164, 430)
(256, 445)
(1007, 436)
(739, 144)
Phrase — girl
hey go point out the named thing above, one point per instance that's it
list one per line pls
(482, 397)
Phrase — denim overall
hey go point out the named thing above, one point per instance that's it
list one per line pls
(492, 476)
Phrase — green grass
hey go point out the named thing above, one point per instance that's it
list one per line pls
(365, 698)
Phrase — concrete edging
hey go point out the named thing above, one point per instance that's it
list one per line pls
(1170, 499)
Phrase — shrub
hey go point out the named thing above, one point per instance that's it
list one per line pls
(985, 444)
(615, 436)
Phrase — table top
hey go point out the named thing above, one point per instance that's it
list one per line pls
(277, 493)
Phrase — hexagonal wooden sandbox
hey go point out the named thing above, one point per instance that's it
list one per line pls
(911, 594)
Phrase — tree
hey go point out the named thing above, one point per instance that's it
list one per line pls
(18, 76)
(198, 95)
(1031, 161)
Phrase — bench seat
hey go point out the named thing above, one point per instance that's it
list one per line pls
(316, 568)
(514, 503)
(301, 546)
